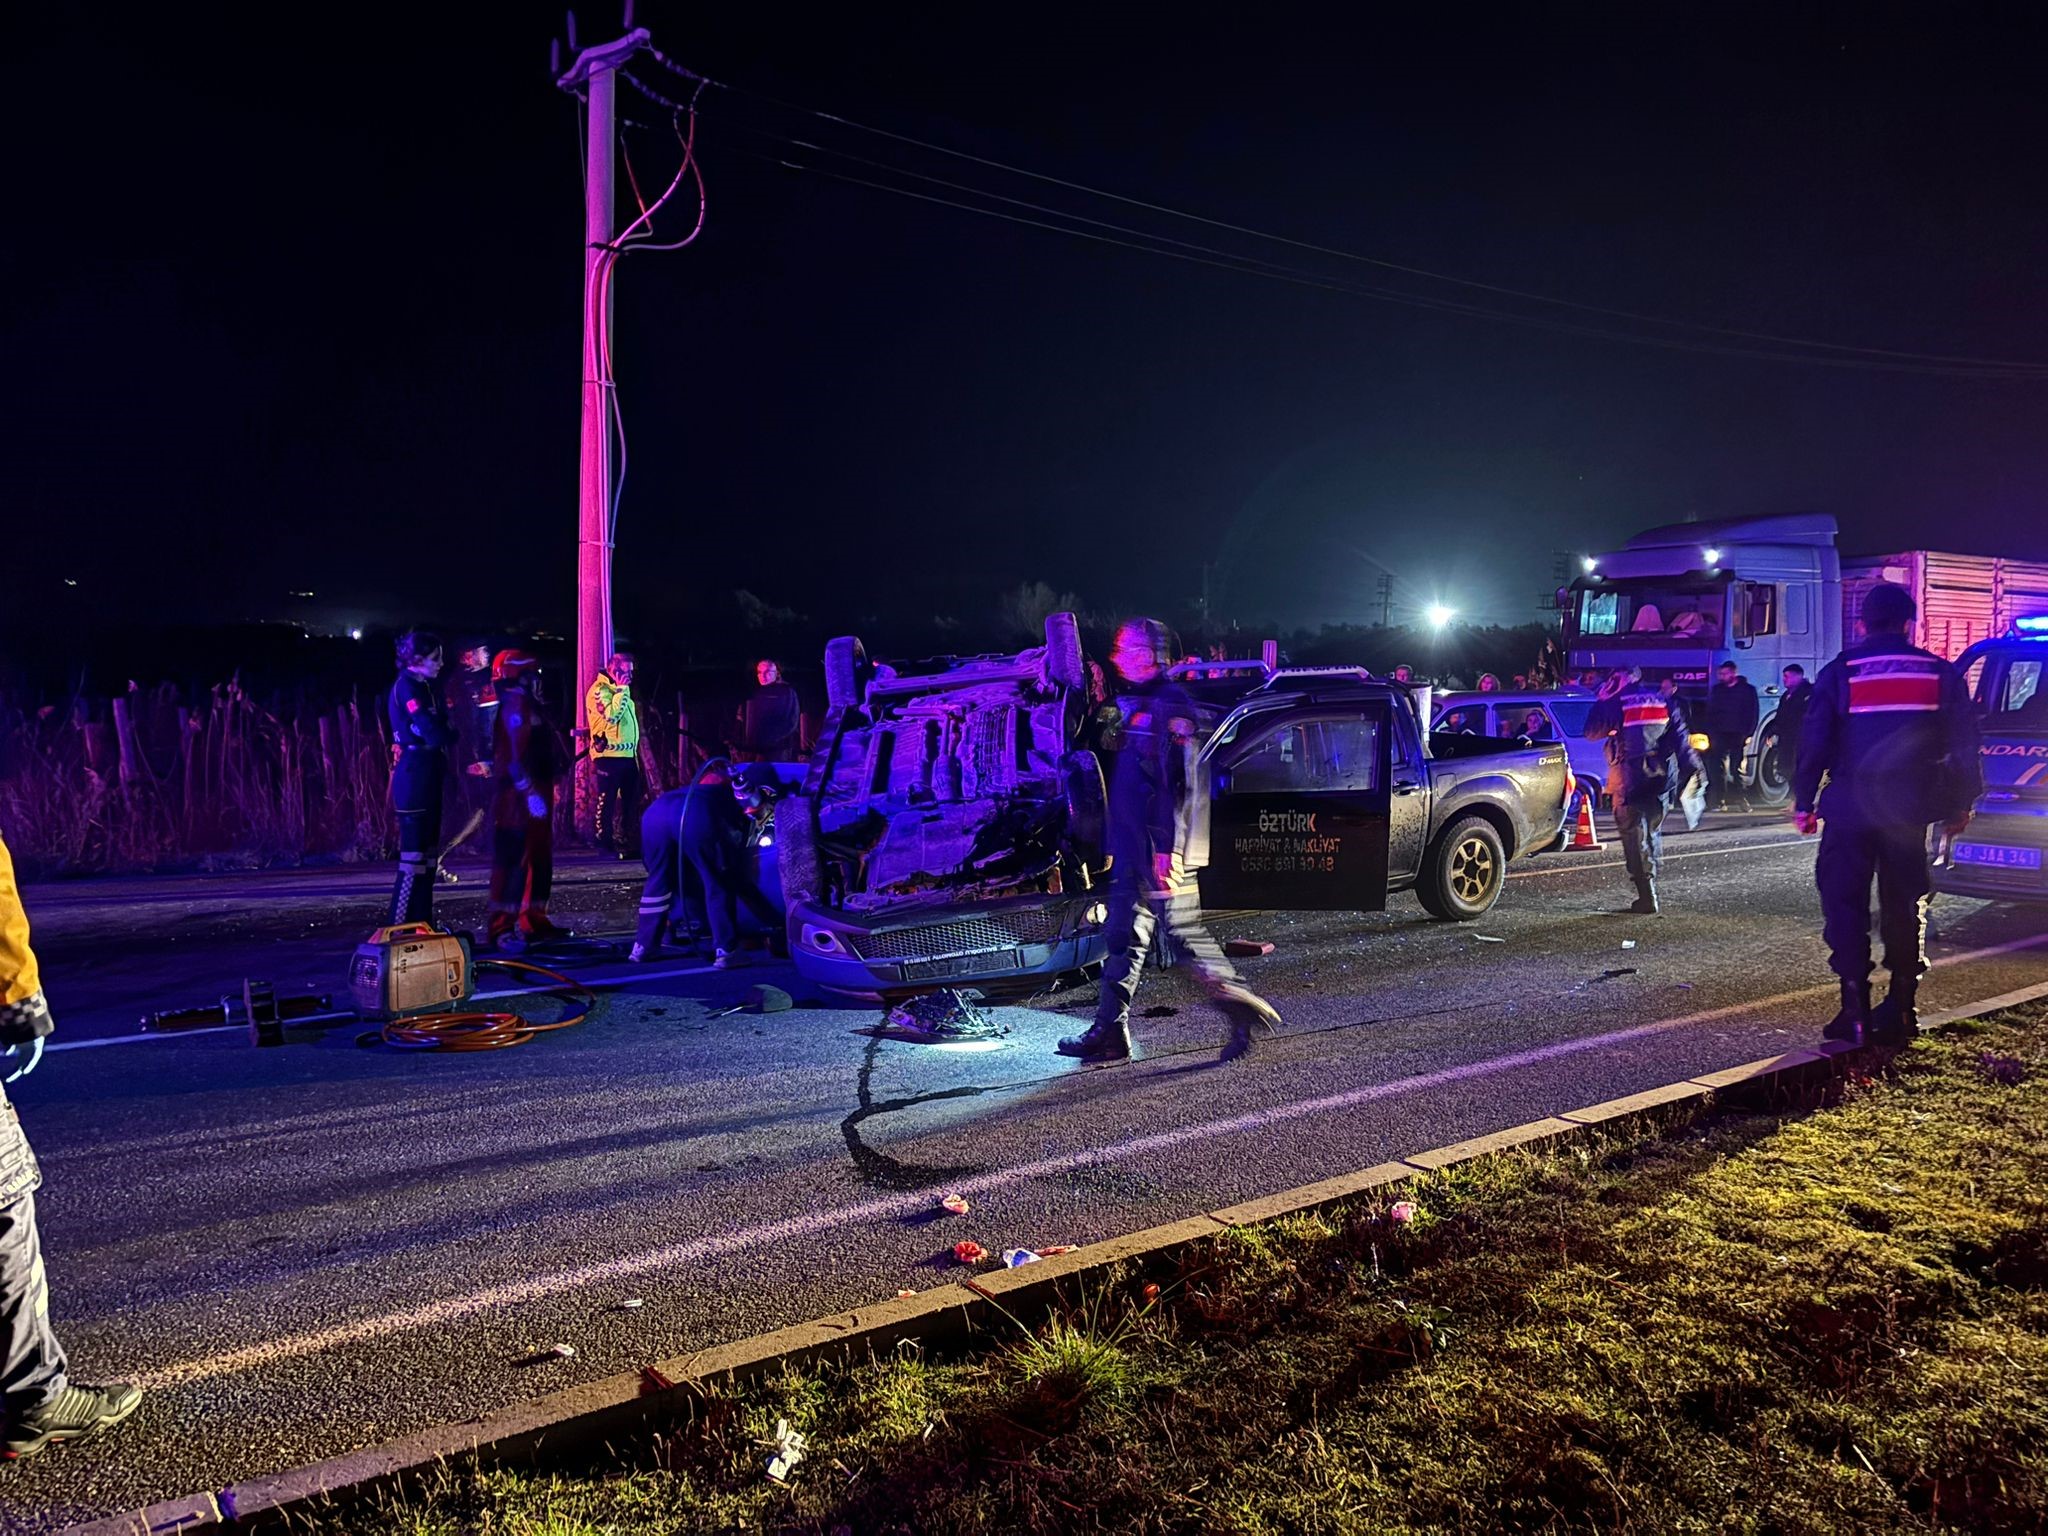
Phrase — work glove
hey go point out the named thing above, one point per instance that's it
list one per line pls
(537, 805)
(23, 1026)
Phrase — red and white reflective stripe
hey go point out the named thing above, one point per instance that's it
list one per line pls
(1894, 684)
(1650, 712)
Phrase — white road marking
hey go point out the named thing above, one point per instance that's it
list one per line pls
(453, 1309)
(1700, 853)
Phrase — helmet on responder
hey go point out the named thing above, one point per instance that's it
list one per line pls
(752, 779)
(416, 646)
(514, 666)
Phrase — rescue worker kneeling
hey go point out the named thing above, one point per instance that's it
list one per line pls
(1648, 761)
(696, 846)
(527, 760)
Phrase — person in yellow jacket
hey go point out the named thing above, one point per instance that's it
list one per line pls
(615, 753)
(43, 1404)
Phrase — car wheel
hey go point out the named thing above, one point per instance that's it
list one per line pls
(1773, 775)
(1465, 871)
(1064, 663)
(842, 672)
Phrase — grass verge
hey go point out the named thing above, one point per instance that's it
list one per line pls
(1826, 1317)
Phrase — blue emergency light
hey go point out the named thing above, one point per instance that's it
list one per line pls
(2032, 624)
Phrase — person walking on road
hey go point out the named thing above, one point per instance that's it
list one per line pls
(615, 753)
(1731, 721)
(1891, 731)
(44, 1406)
(420, 738)
(1158, 839)
(1649, 761)
(527, 760)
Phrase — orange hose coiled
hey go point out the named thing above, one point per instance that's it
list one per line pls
(491, 1030)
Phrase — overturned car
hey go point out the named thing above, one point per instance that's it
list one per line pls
(949, 831)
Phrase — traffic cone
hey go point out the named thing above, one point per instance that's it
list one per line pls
(1584, 836)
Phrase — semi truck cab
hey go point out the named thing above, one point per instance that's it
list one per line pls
(1680, 600)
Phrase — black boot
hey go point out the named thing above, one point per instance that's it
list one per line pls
(1101, 1042)
(1245, 1012)
(1854, 1016)
(1645, 904)
(1895, 1021)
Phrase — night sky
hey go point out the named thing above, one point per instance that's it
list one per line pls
(292, 305)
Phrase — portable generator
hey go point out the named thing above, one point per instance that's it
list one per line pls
(410, 968)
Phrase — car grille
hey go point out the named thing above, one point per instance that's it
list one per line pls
(967, 936)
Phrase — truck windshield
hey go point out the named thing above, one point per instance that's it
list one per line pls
(1653, 610)
(2012, 697)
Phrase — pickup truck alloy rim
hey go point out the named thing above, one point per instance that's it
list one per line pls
(1472, 870)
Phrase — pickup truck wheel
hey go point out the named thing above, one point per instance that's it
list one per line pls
(796, 851)
(1065, 664)
(842, 672)
(1465, 870)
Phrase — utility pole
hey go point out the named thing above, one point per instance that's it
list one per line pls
(1386, 599)
(593, 74)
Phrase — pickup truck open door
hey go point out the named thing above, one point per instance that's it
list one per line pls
(1299, 809)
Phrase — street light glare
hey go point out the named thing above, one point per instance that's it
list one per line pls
(1438, 615)
(1589, 563)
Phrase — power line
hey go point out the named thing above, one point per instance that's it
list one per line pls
(1259, 267)
(1973, 366)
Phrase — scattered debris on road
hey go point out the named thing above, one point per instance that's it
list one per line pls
(1401, 1212)
(549, 1352)
(1489, 938)
(1246, 949)
(940, 1018)
(1619, 970)
(789, 1448)
(1628, 943)
(1017, 1258)
(630, 1304)
(968, 1251)
(956, 1204)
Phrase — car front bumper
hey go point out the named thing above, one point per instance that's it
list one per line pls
(985, 944)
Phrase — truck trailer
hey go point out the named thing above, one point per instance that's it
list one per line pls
(1766, 592)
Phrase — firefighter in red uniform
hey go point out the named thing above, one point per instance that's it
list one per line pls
(527, 760)
(1891, 731)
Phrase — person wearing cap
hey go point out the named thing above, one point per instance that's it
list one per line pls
(420, 738)
(1158, 839)
(1891, 732)
(44, 1405)
(615, 752)
(527, 761)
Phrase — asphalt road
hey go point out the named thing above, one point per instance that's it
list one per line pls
(307, 1249)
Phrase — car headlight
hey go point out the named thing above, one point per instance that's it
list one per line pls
(824, 940)
(1095, 916)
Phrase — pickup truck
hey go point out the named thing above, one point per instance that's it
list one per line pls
(1327, 795)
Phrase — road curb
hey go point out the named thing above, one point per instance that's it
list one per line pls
(580, 1414)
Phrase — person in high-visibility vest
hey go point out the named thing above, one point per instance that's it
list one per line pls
(43, 1404)
(1648, 759)
(615, 753)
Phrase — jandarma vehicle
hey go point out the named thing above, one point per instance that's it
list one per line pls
(2003, 854)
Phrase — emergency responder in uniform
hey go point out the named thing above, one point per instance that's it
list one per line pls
(1158, 838)
(420, 738)
(476, 711)
(1730, 721)
(1648, 760)
(527, 759)
(43, 1404)
(771, 721)
(1891, 731)
(615, 752)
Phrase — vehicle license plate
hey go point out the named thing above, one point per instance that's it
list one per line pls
(2002, 858)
